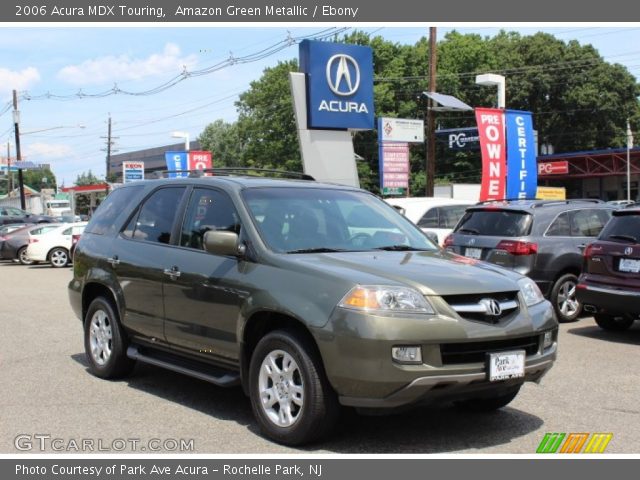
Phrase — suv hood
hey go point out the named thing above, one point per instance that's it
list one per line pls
(432, 273)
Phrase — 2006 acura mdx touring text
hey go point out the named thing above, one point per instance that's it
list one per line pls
(310, 296)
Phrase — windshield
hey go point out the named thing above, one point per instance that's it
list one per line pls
(305, 220)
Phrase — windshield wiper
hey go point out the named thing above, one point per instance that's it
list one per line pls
(472, 231)
(629, 238)
(401, 248)
(317, 250)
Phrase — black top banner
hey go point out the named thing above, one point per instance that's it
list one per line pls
(310, 11)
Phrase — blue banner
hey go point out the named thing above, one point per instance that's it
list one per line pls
(176, 161)
(522, 171)
(339, 85)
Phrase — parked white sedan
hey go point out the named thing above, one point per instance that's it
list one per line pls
(54, 246)
(432, 214)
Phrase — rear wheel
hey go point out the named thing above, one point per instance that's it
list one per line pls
(563, 298)
(290, 395)
(613, 323)
(59, 257)
(105, 343)
(22, 257)
(489, 404)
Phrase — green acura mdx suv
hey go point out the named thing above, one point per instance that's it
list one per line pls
(308, 295)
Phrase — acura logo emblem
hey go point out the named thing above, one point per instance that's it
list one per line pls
(343, 75)
(471, 241)
(491, 306)
(628, 250)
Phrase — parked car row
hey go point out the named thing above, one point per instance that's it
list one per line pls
(41, 243)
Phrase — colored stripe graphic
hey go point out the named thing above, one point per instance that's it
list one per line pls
(550, 443)
(598, 442)
(574, 443)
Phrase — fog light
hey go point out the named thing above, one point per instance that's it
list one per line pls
(407, 354)
(547, 341)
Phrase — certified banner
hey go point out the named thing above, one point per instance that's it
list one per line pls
(522, 171)
(492, 145)
(176, 161)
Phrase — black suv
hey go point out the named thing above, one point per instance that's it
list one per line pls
(542, 239)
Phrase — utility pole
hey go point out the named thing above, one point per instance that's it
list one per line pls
(430, 134)
(9, 175)
(109, 148)
(16, 126)
(629, 147)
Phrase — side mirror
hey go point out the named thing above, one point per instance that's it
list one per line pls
(222, 243)
(433, 237)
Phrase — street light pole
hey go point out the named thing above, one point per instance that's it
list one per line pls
(16, 126)
(629, 146)
(184, 135)
(499, 81)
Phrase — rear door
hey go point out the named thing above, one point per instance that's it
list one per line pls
(586, 225)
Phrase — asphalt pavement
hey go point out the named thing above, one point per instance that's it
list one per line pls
(50, 403)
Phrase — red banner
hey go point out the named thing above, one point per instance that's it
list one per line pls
(494, 157)
(553, 168)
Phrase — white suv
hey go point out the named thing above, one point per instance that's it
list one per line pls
(54, 246)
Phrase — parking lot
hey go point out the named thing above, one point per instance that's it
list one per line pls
(47, 390)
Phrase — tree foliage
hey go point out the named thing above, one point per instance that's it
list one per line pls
(86, 178)
(579, 101)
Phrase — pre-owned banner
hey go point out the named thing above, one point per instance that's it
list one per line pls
(492, 145)
(522, 171)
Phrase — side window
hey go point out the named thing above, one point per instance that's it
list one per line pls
(587, 223)
(429, 219)
(103, 220)
(560, 226)
(208, 210)
(450, 215)
(66, 231)
(157, 215)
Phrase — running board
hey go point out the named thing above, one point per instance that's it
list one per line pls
(208, 373)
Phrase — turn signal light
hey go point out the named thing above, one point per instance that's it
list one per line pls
(448, 241)
(517, 247)
(33, 240)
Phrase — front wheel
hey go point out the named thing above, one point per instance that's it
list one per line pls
(489, 404)
(563, 298)
(290, 395)
(23, 258)
(59, 257)
(613, 323)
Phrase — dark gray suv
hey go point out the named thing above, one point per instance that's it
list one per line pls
(542, 239)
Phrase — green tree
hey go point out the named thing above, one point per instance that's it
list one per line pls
(39, 178)
(223, 140)
(86, 178)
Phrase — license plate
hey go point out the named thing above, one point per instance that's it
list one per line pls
(506, 365)
(629, 265)
(473, 253)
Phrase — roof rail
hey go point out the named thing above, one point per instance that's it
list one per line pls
(241, 171)
(537, 203)
(498, 200)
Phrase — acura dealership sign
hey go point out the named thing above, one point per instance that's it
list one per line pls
(339, 81)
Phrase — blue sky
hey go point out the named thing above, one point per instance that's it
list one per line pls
(65, 61)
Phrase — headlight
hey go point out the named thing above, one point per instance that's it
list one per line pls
(530, 291)
(378, 298)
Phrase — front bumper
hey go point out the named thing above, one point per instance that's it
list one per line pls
(609, 300)
(356, 351)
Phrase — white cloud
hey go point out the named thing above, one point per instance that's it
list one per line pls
(110, 69)
(18, 80)
(38, 151)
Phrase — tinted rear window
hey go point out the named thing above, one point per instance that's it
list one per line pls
(102, 221)
(503, 223)
(623, 228)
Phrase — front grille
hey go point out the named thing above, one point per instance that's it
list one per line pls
(476, 352)
(467, 305)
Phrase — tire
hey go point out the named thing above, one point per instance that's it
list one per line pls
(304, 406)
(59, 257)
(22, 257)
(563, 298)
(613, 323)
(489, 404)
(105, 343)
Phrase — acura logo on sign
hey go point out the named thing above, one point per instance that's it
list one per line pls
(491, 306)
(628, 251)
(346, 79)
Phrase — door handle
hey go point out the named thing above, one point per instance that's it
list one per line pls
(114, 261)
(582, 246)
(172, 272)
